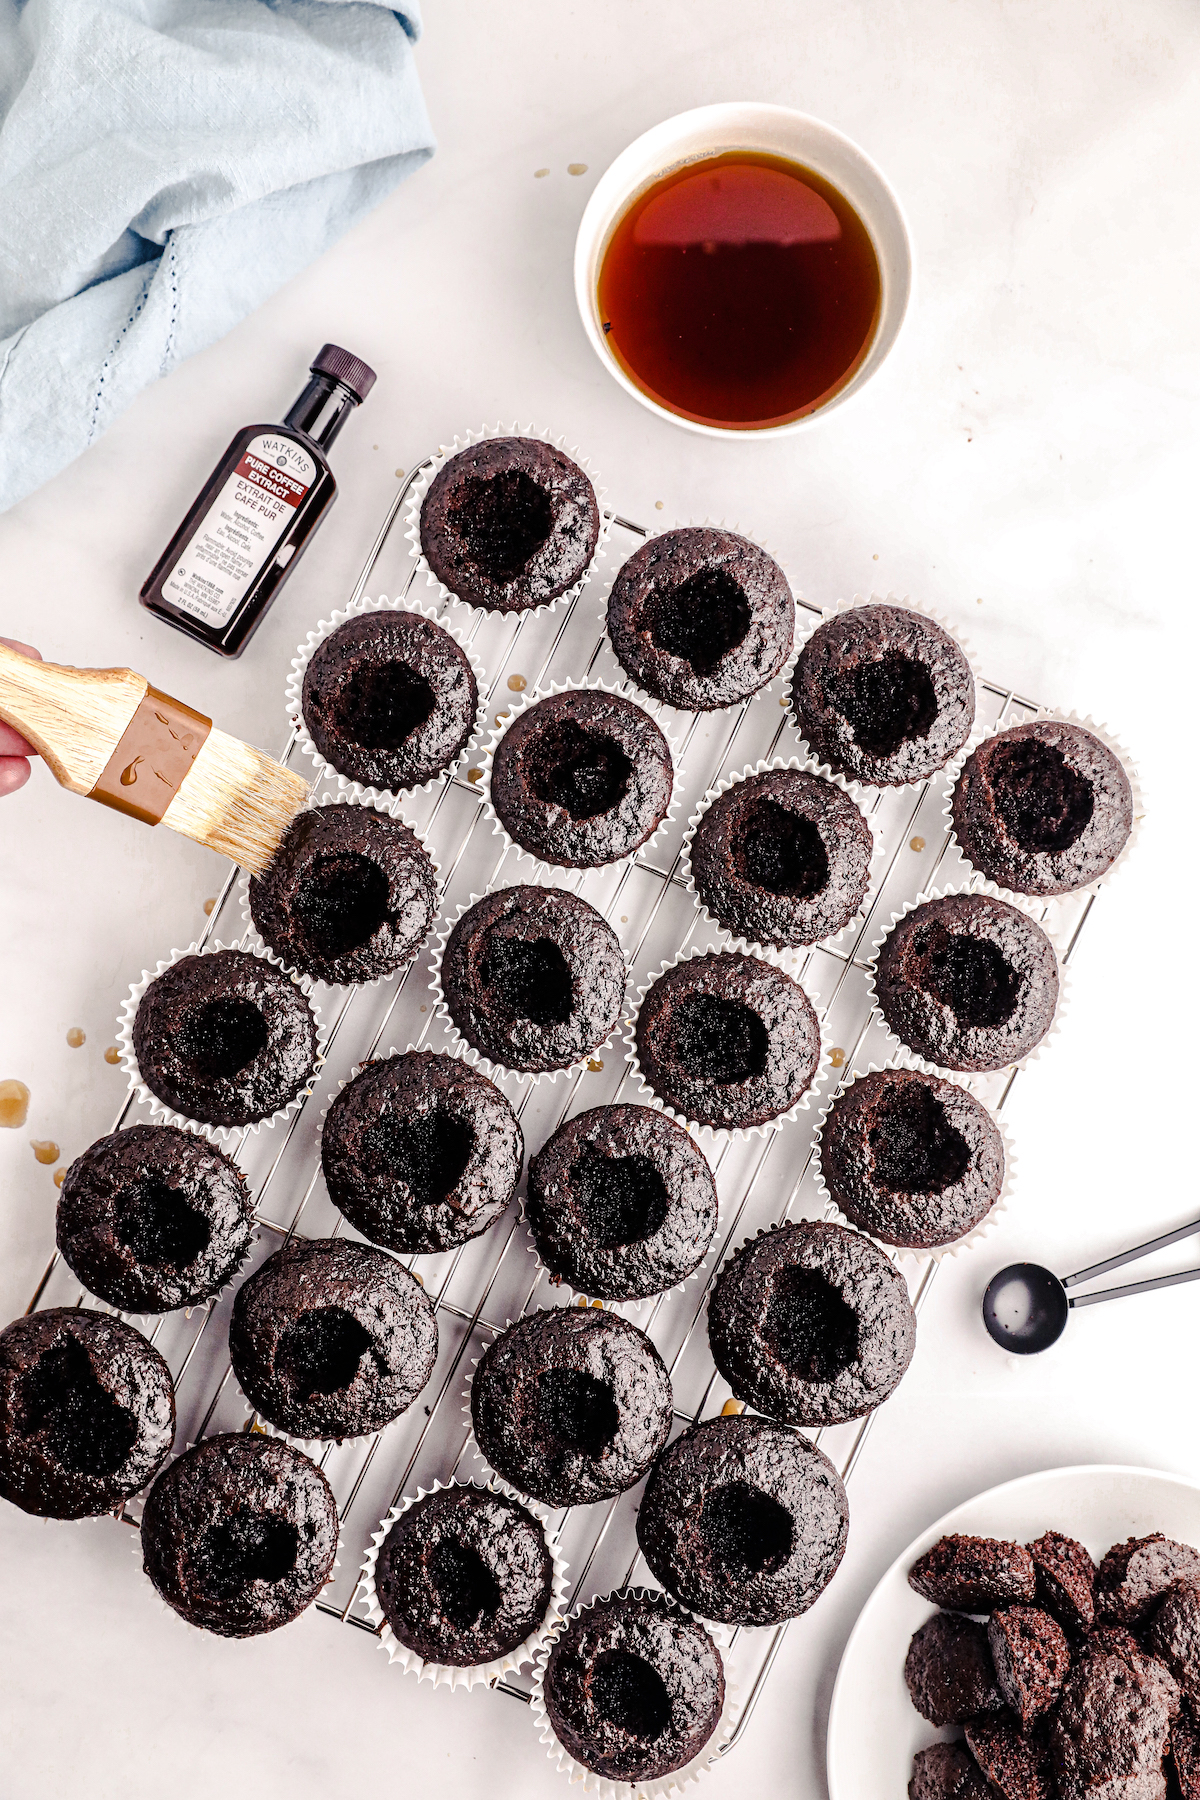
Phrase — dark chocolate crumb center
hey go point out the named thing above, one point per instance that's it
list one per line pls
(809, 1326)
(886, 703)
(381, 707)
(701, 620)
(429, 1152)
(745, 1529)
(970, 975)
(582, 771)
(531, 979)
(629, 1692)
(155, 1223)
(1043, 803)
(247, 1547)
(718, 1040)
(220, 1038)
(320, 1352)
(577, 1410)
(501, 522)
(466, 1589)
(780, 851)
(914, 1147)
(341, 902)
(622, 1199)
(83, 1426)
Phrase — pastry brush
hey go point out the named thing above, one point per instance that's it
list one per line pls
(108, 734)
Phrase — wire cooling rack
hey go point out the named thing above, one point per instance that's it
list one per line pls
(479, 1287)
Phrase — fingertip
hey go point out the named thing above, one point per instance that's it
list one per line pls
(14, 773)
(22, 649)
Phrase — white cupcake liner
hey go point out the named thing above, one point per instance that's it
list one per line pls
(348, 796)
(663, 1785)
(916, 1253)
(782, 675)
(165, 1114)
(444, 453)
(903, 1054)
(974, 736)
(522, 704)
(458, 1043)
(295, 695)
(474, 1674)
(1085, 723)
(736, 1133)
(810, 766)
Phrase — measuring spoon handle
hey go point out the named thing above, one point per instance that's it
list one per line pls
(1128, 1256)
(1135, 1287)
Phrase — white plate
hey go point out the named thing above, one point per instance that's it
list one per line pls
(874, 1729)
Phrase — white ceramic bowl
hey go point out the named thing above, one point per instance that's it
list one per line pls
(709, 131)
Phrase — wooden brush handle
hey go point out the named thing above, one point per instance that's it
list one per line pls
(74, 718)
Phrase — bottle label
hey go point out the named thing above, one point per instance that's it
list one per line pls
(241, 529)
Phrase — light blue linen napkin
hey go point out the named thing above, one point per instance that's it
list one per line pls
(164, 166)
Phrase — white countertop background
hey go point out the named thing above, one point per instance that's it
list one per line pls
(1027, 462)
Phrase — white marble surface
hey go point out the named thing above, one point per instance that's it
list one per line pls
(1028, 463)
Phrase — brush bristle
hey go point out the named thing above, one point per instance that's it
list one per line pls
(237, 800)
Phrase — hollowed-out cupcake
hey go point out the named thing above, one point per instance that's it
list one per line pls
(968, 981)
(509, 523)
(151, 1218)
(811, 1323)
(727, 1040)
(1043, 808)
(744, 1519)
(533, 978)
(883, 695)
(782, 857)
(389, 699)
(622, 1203)
(421, 1151)
(571, 1405)
(87, 1412)
(350, 895)
(912, 1159)
(701, 618)
(581, 778)
(226, 1038)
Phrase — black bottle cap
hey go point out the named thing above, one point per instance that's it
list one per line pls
(349, 370)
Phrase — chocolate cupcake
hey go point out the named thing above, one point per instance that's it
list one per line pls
(421, 1152)
(533, 978)
(226, 1038)
(811, 1323)
(633, 1688)
(701, 618)
(464, 1576)
(350, 896)
(331, 1339)
(1043, 808)
(782, 857)
(239, 1534)
(728, 1040)
(509, 523)
(87, 1412)
(389, 699)
(581, 778)
(744, 1520)
(151, 1218)
(968, 982)
(883, 695)
(571, 1405)
(621, 1202)
(913, 1159)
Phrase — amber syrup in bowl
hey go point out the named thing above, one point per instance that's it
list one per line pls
(740, 290)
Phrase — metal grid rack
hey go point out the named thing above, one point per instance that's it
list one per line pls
(477, 1288)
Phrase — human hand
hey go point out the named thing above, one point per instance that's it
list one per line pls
(14, 751)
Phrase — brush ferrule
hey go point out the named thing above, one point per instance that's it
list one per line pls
(155, 752)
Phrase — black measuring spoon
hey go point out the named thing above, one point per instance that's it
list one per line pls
(1026, 1307)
